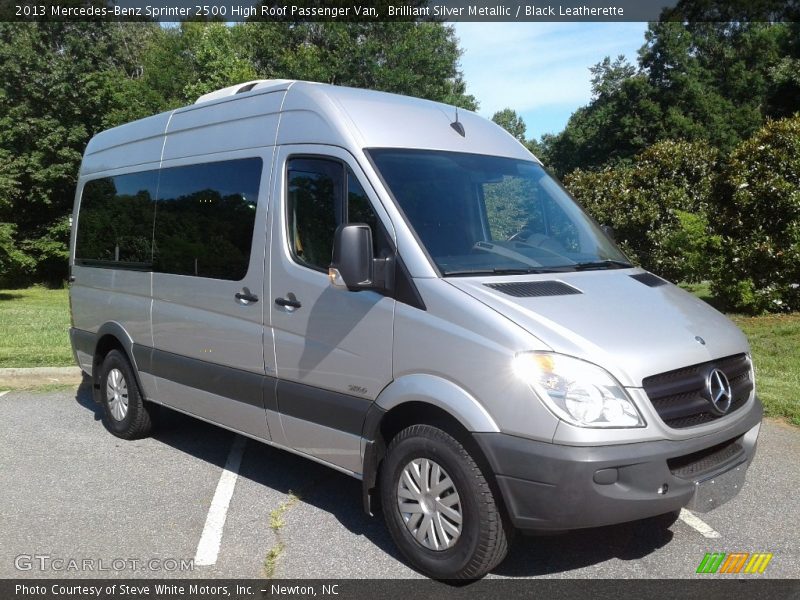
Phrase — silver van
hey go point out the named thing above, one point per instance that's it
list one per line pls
(397, 289)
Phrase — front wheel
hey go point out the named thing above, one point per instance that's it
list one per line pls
(125, 414)
(439, 507)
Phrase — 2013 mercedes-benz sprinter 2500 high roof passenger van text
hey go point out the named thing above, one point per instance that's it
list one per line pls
(399, 290)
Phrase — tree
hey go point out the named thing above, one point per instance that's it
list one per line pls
(658, 204)
(696, 81)
(63, 82)
(413, 58)
(215, 58)
(622, 120)
(759, 211)
(51, 102)
(509, 120)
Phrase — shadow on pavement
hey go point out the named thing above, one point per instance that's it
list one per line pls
(340, 495)
(546, 555)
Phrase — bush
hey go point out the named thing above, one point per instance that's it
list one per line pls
(759, 218)
(658, 205)
(14, 264)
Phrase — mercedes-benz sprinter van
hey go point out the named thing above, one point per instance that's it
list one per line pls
(397, 289)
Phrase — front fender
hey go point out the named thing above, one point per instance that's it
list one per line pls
(439, 392)
(425, 388)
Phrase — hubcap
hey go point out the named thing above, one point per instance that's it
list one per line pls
(429, 504)
(117, 394)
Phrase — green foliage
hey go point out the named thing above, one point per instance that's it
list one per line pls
(688, 249)
(759, 207)
(51, 102)
(416, 59)
(215, 58)
(63, 82)
(509, 120)
(13, 262)
(696, 81)
(657, 205)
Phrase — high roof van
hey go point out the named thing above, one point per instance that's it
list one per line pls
(398, 289)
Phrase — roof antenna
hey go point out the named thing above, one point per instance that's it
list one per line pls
(458, 126)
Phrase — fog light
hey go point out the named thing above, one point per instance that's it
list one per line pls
(606, 476)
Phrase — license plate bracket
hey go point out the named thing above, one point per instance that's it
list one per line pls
(714, 491)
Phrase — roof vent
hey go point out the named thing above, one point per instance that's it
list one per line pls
(531, 289)
(649, 279)
(241, 88)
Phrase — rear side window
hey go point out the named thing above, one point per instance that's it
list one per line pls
(205, 217)
(115, 224)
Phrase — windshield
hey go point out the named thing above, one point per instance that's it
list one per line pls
(480, 214)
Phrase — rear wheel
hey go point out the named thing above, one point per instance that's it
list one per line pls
(439, 507)
(125, 413)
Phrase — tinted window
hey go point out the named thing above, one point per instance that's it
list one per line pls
(115, 224)
(315, 209)
(205, 217)
(478, 214)
(359, 210)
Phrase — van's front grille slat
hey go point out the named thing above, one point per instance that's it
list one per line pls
(680, 399)
(693, 465)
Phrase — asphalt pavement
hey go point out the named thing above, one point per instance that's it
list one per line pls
(77, 502)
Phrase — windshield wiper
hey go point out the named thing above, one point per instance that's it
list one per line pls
(601, 264)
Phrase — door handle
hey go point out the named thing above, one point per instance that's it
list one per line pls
(246, 297)
(290, 302)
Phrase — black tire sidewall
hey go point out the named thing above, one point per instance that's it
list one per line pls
(439, 564)
(116, 360)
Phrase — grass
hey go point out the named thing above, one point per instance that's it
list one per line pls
(33, 328)
(34, 322)
(271, 561)
(276, 523)
(276, 516)
(775, 342)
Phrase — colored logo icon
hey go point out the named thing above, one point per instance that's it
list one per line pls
(736, 562)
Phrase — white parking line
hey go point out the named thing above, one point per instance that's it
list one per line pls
(208, 546)
(696, 523)
(4, 393)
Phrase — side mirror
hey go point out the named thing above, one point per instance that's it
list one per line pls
(609, 230)
(351, 266)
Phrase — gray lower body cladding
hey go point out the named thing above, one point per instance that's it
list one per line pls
(341, 412)
(549, 487)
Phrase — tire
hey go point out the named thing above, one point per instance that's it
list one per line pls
(125, 413)
(467, 550)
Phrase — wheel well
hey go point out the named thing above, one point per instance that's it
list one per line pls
(421, 413)
(105, 344)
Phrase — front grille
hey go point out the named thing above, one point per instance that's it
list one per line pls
(706, 461)
(679, 396)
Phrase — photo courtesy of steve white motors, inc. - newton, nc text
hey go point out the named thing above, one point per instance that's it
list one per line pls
(399, 299)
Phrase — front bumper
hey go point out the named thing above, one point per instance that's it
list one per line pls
(550, 487)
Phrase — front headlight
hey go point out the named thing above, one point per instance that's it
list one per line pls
(576, 391)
